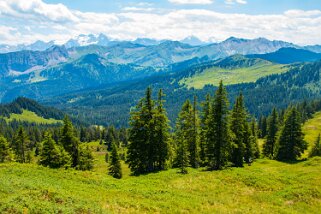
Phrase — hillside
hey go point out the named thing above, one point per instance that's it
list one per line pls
(233, 70)
(112, 103)
(289, 55)
(312, 128)
(265, 187)
(27, 110)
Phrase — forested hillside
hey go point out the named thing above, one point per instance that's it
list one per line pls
(110, 105)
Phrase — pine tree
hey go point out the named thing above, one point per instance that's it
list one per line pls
(162, 135)
(5, 151)
(86, 158)
(52, 155)
(316, 149)
(217, 134)
(141, 150)
(20, 145)
(239, 127)
(291, 142)
(184, 136)
(182, 157)
(272, 129)
(194, 144)
(254, 134)
(69, 141)
(115, 166)
(205, 114)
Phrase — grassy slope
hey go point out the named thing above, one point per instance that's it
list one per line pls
(232, 76)
(29, 116)
(312, 128)
(265, 187)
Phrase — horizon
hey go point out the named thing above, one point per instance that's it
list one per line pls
(210, 21)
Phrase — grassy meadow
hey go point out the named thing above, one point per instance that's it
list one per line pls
(232, 76)
(267, 186)
(31, 117)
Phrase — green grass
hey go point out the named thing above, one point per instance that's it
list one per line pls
(312, 128)
(265, 187)
(268, 186)
(232, 76)
(31, 117)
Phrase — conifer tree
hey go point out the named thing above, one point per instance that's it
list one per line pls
(217, 134)
(52, 155)
(239, 128)
(5, 151)
(162, 135)
(184, 136)
(69, 141)
(194, 144)
(204, 116)
(86, 158)
(291, 142)
(182, 156)
(20, 145)
(141, 151)
(254, 134)
(115, 166)
(269, 146)
(316, 149)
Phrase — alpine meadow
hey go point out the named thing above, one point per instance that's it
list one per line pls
(169, 106)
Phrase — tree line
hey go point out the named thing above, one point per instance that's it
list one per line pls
(209, 134)
(215, 137)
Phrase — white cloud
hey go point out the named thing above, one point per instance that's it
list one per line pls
(230, 2)
(191, 1)
(27, 21)
(145, 9)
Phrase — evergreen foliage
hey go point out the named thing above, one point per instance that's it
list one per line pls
(53, 155)
(115, 166)
(148, 136)
(86, 158)
(291, 142)
(316, 149)
(69, 141)
(217, 133)
(5, 151)
(19, 145)
(269, 146)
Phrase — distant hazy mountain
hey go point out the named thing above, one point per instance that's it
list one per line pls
(23, 62)
(314, 48)
(289, 55)
(194, 41)
(36, 46)
(84, 40)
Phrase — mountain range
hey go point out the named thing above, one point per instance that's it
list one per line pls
(90, 74)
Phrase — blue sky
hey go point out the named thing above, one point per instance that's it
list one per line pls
(25, 21)
(251, 6)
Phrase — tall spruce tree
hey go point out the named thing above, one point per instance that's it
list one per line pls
(269, 146)
(52, 155)
(115, 166)
(86, 158)
(316, 149)
(217, 134)
(291, 142)
(19, 145)
(204, 116)
(184, 136)
(239, 128)
(5, 151)
(254, 135)
(148, 136)
(162, 135)
(194, 144)
(69, 141)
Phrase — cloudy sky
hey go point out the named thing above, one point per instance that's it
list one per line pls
(25, 21)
